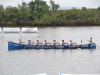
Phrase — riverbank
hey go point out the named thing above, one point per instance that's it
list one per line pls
(48, 25)
(28, 15)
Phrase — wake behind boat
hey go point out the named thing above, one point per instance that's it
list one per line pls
(16, 46)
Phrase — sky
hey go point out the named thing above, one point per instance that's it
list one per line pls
(62, 3)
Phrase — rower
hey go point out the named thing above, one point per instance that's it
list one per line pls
(39, 43)
(32, 43)
(20, 42)
(47, 43)
(90, 40)
(29, 43)
(55, 43)
(72, 43)
(64, 43)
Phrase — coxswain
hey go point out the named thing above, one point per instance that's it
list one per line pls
(90, 40)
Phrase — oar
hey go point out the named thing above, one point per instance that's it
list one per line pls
(79, 46)
(81, 41)
(98, 46)
(87, 40)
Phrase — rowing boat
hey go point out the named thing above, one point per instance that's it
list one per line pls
(29, 30)
(16, 46)
(11, 30)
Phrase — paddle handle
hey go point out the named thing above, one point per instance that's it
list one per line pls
(81, 41)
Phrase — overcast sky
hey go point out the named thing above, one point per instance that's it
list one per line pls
(68, 3)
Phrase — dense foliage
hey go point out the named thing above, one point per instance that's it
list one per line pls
(39, 13)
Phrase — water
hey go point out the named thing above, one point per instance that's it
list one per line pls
(52, 62)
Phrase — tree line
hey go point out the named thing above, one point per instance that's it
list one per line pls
(39, 13)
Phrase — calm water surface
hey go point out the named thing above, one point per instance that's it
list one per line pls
(52, 62)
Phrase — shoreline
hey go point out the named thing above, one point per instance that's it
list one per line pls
(52, 26)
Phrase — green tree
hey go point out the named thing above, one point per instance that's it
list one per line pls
(98, 8)
(38, 12)
(54, 6)
(2, 15)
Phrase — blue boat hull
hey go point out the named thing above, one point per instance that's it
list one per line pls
(15, 46)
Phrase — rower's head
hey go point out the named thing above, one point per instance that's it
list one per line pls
(19, 39)
(54, 40)
(70, 40)
(37, 40)
(29, 40)
(91, 38)
(62, 40)
(45, 40)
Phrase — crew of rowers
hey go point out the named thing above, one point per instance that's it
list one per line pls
(54, 43)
